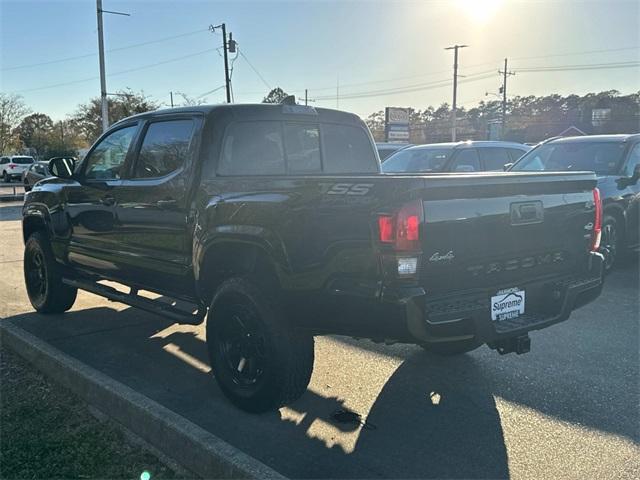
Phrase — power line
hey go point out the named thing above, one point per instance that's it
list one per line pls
(211, 91)
(587, 52)
(254, 69)
(118, 49)
(121, 72)
(411, 88)
(569, 68)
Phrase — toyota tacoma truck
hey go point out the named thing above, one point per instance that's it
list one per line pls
(275, 223)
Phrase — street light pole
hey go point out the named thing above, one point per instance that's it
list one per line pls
(103, 80)
(454, 110)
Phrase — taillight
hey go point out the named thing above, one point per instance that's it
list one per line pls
(402, 229)
(596, 233)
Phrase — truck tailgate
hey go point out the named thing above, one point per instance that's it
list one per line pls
(503, 229)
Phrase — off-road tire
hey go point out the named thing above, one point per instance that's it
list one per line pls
(43, 277)
(287, 355)
(448, 349)
(611, 243)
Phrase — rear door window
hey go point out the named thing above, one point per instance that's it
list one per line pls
(23, 160)
(276, 148)
(466, 161)
(347, 149)
(164, 149)
(302, 143)
(494, 158)
(252, 148)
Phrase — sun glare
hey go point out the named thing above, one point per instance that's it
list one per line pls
(480, 11)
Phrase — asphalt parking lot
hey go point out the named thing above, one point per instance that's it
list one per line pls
(568, 409)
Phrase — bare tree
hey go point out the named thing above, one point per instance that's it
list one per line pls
(12, 110)
(188, 101)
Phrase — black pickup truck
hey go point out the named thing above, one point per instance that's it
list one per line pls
(276, 221)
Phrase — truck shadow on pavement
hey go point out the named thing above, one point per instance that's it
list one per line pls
(434, 417)
(416, 436)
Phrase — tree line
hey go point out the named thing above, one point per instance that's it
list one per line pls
(529, 119)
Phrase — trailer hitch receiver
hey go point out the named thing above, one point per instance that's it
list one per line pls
(520, 344)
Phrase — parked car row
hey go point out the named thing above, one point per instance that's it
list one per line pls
(12, 167)
(477, 156)
(615, 159)
(24, 168)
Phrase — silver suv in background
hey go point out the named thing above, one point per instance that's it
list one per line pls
(386, 149)
(13, 166)
(464, 157)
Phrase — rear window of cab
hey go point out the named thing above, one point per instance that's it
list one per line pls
(295, 148)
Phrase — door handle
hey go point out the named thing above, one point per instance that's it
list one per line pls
(108, 200)
(167, 203)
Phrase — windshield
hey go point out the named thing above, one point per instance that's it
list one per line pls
(417, 160)
(602, 158)
(22, 160)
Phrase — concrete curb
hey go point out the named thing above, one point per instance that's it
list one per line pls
(189, 445)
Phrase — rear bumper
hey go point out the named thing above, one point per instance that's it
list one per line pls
(466, 315)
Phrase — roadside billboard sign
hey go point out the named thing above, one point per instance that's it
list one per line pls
(396, 124)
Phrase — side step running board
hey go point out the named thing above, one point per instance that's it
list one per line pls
(134, 300)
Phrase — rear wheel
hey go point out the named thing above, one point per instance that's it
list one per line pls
(610, 243)
(5, 177)
(43, 278)
(259, 362)
(452, 348)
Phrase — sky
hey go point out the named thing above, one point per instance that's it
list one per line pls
(369, 54)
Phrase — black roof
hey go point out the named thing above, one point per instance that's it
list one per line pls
(258, 111)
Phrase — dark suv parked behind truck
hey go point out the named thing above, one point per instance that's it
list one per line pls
(275, 223)
(616, 161)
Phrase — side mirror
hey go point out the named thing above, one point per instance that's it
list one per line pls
(633, 179)
(62, 167)
(507, 166)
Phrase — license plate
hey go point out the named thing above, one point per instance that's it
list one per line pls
(507, 304)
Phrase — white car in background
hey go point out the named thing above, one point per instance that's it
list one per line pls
(13, 166)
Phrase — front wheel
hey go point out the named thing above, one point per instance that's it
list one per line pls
(259, 361)
(451, 348)
(43, 278)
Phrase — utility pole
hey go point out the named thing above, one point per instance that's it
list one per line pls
(226, 46)
(226, 63)
(454, 110)
(505, 74)
(171, 95)
(306, 98)
(103, 81)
